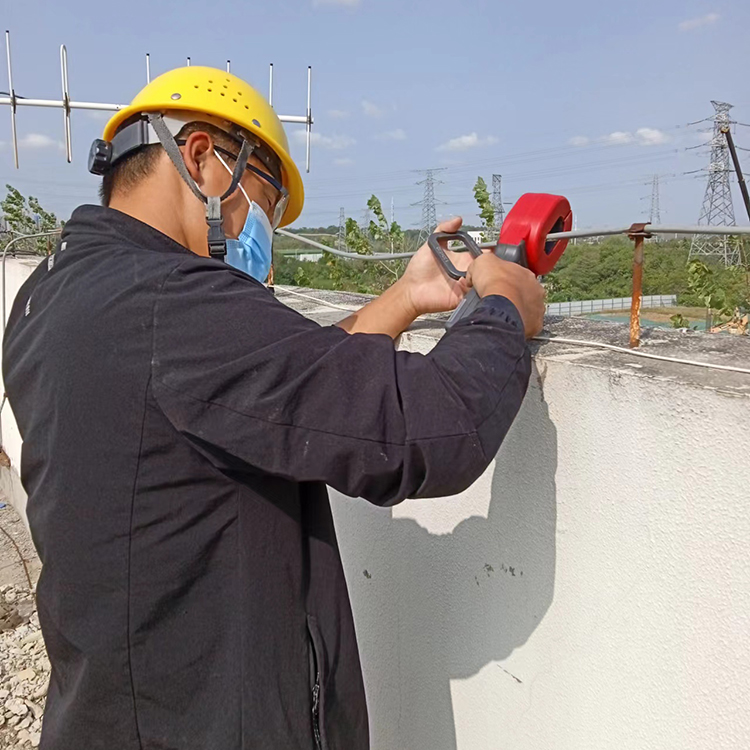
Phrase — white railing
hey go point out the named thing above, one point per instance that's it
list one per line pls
(584, 307)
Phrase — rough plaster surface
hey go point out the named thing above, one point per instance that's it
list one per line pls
(591, 590)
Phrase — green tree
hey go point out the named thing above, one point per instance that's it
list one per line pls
(605, 269)
(390, 235)
(718, 288)
(356, 240)
(486, 209)
(16, 213)
(28, 217)
(47, 220)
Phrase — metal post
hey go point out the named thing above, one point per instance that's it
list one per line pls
(12, 94)
(229, 66)
(737, 168)
(309, 113)
(66, 101)
(270, 86)
(148, 68)
(188, 62)
(637, 232)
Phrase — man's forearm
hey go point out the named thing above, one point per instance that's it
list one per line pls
(391, 313)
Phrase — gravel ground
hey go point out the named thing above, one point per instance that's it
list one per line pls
(24, 668)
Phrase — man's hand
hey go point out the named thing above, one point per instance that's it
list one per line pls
(489, 274)
(424, 288)
(426, 285)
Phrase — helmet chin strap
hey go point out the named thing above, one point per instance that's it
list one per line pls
(217, 241)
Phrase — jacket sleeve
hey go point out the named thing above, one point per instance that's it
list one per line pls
(256, 386)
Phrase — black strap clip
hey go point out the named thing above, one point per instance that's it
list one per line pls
(217, 242)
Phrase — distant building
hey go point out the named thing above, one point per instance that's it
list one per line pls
(476, 235)
(305, 253)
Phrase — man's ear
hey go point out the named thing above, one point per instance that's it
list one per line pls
(196, 153)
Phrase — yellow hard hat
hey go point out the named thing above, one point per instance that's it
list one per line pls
(221, 95)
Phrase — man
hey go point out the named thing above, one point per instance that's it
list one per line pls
(180, 426)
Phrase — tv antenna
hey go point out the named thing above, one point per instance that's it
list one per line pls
(14, 100)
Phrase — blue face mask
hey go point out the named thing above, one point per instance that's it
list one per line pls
(252, 251)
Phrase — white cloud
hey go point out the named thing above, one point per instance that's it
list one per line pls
(34, 142)
(618, 138)
(37, 140)
(98, 115)
(392, 135)
(579, 140)
(336, 3)
(343, 162)
(641, 137)
(651, 137)
(329, 142)
(337, 114)
(465, 142)
(695, 23)
(370, 109)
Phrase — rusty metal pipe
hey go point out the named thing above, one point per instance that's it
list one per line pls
(639, 234)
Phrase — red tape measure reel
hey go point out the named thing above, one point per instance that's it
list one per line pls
(532, 218)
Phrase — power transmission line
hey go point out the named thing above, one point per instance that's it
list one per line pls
(545, 172)
(497, 201)
(517, 157)
(428, 203)
(341, 240)
(655, 213)
(717, 209)
(366, 219)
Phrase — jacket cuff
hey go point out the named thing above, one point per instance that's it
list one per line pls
(496, 304)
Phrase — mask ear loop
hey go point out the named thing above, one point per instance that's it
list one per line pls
(217, 241)
(239, 185)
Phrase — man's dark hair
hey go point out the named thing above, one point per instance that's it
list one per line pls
(133, 168)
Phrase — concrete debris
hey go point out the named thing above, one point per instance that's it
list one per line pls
(24, 670)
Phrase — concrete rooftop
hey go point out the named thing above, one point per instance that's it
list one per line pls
(720, 349)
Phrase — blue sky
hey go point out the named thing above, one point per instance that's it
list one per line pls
(587, 99)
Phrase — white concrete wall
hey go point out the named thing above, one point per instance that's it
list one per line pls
(17, 270)
(590, 592)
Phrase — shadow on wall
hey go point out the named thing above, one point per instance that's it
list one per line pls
(431, 608)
